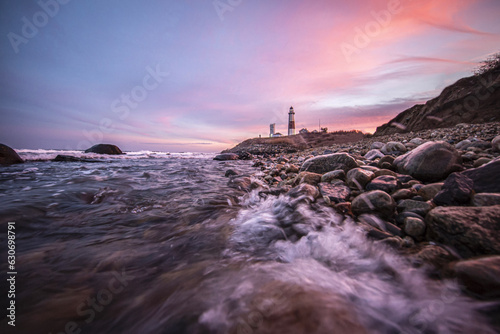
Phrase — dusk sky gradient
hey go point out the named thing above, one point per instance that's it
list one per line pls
(226, 69)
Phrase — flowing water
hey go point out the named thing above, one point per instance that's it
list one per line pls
(159, 243)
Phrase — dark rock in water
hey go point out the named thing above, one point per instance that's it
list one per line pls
(434, 255)
(104, 149)
(376, 201)
(242, 182)
(326, 163)
(457, 190)
(8, 156)
(226, 156)
(432, 161)
(480, 276)
(337, 192)
(70, 158)
(418, 207)
(471, 230)
(230, 172)
(245, 156)
(304, 189)
(385, 183)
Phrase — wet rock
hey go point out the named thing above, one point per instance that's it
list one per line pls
(393, 147)
(373, 154)
(432, 161)
(377, 145)
(433, 255)
(381, 172)
(486, 199)
(480, 276)
(381, 224)
(414, 227)
(376, 201)
(417, 141)
(333, 175)
(326, 163)
(481, 161)
(471, 230)
(386, 162)
(104, 149)
(245, 156)
(481, 144)
(70, 158)
(304, 189)
(337, 192)
(309, 178)
(495, 144)
(230, 172)
(403, 194)
(292, 169)
(8, 156)
(357, 178)
(241, 182)
(418, 207)
(457, 190)
(226, 157)
(463, 144)
(385, 183)
(485, 178)
(428, 191)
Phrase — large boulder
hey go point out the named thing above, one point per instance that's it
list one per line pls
(485, 178)
(104, 149)
(480, 275)
(471, 231)
(376, 201)
(457, 190)
(8, 156)
(432, 161)
(326, 163)
(226, 156)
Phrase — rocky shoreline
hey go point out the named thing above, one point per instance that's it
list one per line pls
(432, 195)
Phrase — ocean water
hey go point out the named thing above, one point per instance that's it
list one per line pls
(152, 242)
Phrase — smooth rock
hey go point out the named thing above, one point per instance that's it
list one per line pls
(242, 182)
(417, 141)
(230, 172)
(393, 147)
(418, 207)
(495, 144)
(333, 175)
(432, 161)
(309, 178)
(337, 192)
(428, 191)
(385, 183)
(226, 157)
(386, 162)
(70, 158)
(381, 172)
(376, 145)
(357, 178)
(304, 189)
(8, 156)
(403, 194)
(414, 227)
(326, 163)
(486, 199)
(376, 201)
(480, 276)
(433, 255)
(457, 190)
(472, 231)
(104, 149)
(481, 161)
(373, 154)
(463, 144)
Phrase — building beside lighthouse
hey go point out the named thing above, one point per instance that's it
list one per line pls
(291, 122)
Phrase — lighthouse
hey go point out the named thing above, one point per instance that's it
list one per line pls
(291, 122)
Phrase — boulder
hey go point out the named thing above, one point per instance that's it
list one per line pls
(495, 144)
(472, 231)
(385, 183)
(480, 276)
(376, 201)
(418, 207)
(373, 154)
(70, 158)
(357, 178)
(226, 156)
(309, 178)
(414, 227)
(326, 163)
(432, 161)
(104, 149)
(456, 190)
(8, 156)
(393, 147)
(304, 189)
(241, 182)
(428, 191)
(337, 192)
(485, 178)
(245, 156)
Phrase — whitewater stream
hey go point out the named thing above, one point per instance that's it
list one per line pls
(159, 243)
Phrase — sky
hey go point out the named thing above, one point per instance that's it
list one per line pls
(203, 75)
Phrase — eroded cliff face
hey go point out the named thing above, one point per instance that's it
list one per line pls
(474, 99)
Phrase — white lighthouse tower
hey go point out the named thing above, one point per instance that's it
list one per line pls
(291, 122)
